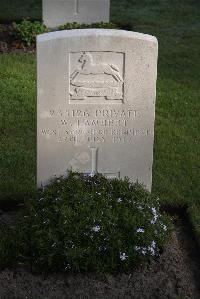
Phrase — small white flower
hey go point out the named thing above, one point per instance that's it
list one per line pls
(140, 230)
(96, 228)
(137, 248)
(144, 250)
(140, 207)
(67, 266)
(123, 256)
(155, 215)
(98, 193)
(152, 248)
(154, 211)
(119, 199)
(91, 174)
(153, 221)
(46, 221)
(164, 227)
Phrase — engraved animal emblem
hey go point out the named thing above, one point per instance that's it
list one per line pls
(89, 67)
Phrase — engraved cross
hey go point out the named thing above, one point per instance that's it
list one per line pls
(94, 165)
(76, 7)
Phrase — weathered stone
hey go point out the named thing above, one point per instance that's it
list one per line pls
(96, 103)
(59, 12)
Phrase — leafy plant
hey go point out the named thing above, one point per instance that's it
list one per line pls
(27, 31)
(86, 223)
(75, 25)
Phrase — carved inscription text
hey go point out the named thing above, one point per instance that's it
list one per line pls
(95, 126)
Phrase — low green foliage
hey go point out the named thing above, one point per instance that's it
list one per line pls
(27, 31)
(86, 223)
(75, 25)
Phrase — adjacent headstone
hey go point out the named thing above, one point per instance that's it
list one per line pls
(96, 103)
(59, 12)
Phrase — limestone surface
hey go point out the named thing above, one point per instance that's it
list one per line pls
(96, 92)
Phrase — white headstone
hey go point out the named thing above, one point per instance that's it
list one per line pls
(59, 12)
(96, 103)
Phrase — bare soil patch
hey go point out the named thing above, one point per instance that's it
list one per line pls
(175, 274)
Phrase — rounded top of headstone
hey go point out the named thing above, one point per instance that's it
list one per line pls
(95, 32)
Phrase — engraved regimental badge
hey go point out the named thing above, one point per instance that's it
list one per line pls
(96, 76)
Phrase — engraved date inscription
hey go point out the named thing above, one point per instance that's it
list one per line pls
(82, 126)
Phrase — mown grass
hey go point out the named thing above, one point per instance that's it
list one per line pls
(17, 126)
(176, 160)
(177, 27)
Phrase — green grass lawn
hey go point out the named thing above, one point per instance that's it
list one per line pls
(176, 152)
(17, 126)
